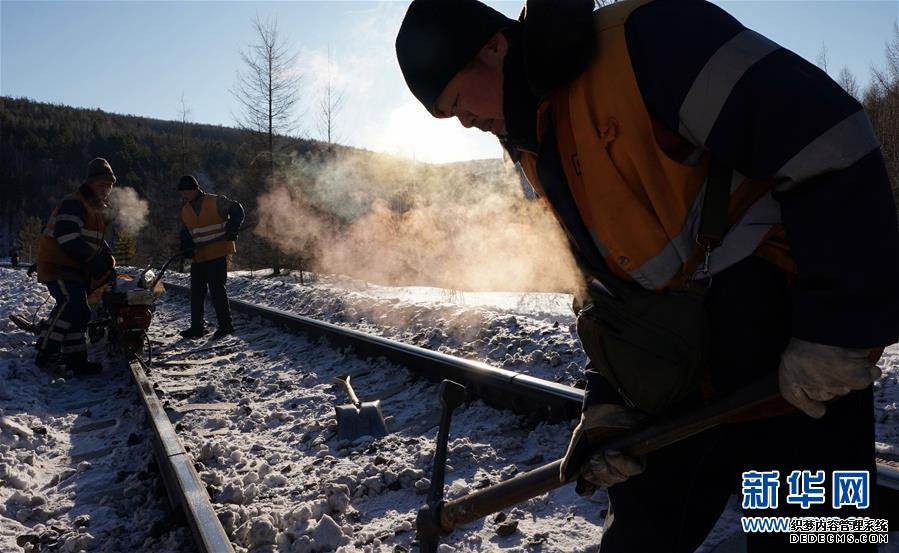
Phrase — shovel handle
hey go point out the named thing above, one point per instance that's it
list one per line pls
(522, 487)
(344, 379)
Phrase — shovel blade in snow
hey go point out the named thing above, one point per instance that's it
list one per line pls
(367, 420)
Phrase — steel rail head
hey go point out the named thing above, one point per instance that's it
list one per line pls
(181, 479)
(496, 386)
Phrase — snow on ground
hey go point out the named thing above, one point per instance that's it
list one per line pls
(277, 475)
(532, 333)
(283, 481)
(74, 455)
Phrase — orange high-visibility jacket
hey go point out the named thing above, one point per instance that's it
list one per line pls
(53, 263)
(207, 229)
(636, 192)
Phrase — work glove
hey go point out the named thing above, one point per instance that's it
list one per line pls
(811, 374)
(595, 468)
(186, 243)
(101, 264)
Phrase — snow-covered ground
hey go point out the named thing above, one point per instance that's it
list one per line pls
(283, 480)
(276, 472)
(533, 333)
(76, 469)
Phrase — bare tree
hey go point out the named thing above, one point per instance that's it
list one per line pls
(29, 235)
(329, 106)
(881, 101)
(183, 120)
(847, 80)
(268, 87)
(821, 60)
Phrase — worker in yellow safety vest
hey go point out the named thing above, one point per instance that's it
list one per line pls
(72, 259)
(210, 226)
(730, 208)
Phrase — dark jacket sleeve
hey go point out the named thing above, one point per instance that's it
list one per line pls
(235, 216)
(67, 231)
(769, 114)
(231, 211)
(185, 239)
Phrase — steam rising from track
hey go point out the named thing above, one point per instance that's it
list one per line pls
(130, 211)
(398, 222)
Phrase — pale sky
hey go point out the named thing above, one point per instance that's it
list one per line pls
(138, 57)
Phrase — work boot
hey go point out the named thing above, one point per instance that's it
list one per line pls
(80, 366)
(222, 331)
(192, 332)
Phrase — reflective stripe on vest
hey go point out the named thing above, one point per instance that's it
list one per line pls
(206, 228)
(640, 205)
(837, 148)
(51, 258)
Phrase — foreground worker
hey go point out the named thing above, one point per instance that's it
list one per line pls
(211, 224)
(732, 202)
(72, 260)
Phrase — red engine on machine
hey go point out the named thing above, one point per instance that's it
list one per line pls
(129, 311)
(134, 317)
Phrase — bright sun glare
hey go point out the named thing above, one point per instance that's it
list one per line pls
(413, 133)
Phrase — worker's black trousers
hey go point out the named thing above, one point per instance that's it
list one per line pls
(674, 504)
(62, 332)
(212, 275)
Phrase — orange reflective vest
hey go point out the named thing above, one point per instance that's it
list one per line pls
(636, 191)
(207, 229)
(52, 262)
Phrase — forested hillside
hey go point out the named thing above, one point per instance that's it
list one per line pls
(315, 205)
(44, 150)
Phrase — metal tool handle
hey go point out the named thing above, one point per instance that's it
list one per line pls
(451, 395)
(647, 439)
(344, 379)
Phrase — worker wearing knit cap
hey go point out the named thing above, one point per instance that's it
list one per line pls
(208, 235)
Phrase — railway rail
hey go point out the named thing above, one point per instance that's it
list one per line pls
(524, 394)
(184, 486)
(538, 399)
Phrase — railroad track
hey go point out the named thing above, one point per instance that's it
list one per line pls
(184, 487)
(538, 399)
(524, 394)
